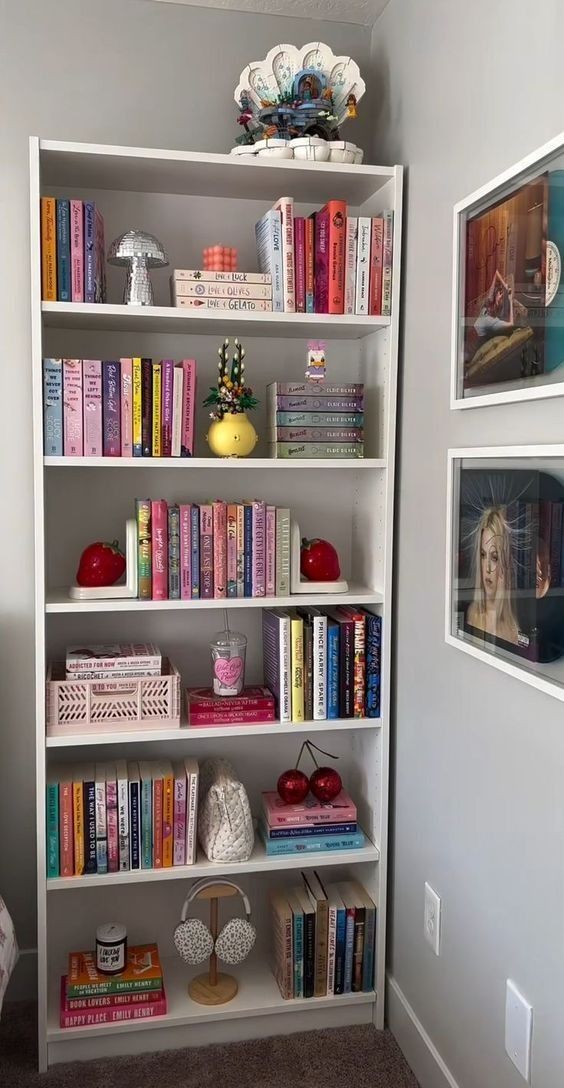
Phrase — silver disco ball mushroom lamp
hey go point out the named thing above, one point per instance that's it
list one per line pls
(138, 252)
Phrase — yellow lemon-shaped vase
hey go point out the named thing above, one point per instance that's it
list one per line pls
(232, 436)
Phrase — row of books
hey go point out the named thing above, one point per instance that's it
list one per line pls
(323, 938)
(312, 419)
(89, 997)
(73, 258)
(115, 816)
(118, 408)
(193, 289)
(322, 663)
(310, 826)
(212, 550)
(328, 262)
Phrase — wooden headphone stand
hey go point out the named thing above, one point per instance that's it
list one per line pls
(215, 987)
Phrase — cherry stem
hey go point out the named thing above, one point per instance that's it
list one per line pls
(310, 745)
(301, 754)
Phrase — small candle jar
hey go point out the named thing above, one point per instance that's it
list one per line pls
(228, 650)
(111, 948)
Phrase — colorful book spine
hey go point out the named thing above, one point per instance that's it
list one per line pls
(376, 266)
(188, 407)
(137, 440)
(331, 948)
(351, 237)
(337, 212)
(309, 951)
(92, 403)
(231, 717)
(185, 553)
(362, 289)
(52, 828)
(310, 403)
(144, 549)
(72, 401)
(112, 818)
(111, 408)
(146, 407)
(78, 825)
(304, 831)
(126, 419)
(112, 1001)
(270, 551)
(248, 569)
(157, 820)
(232, 550)
(166, 407)
(332, 670)
(179, 835)
(77, 250)
(156, 428)
(258, 585)
(206, 551)
(319, 623)
(48, 249)
(299, 263)
(134, 816)
(101, 819)
(315, 844)
(268, 232)
(192, 777)
(53, 407)
(219, 549)
(66, 827)
(321, 261)
(317, 450)
(146, 779)
(174, 552)
(373, 649)
(310, 389)
(159, 549)
(309, 243)
(168, 814)
(99, 257)
(297, 667)
(177, 397)
(354, 420)
(323, 435)
(89, 251)
(346, 687)
(349, 951)
(340, 950)
(282, 551)
(240, 537)
(89, 788)
(63, 251)
(359, 661)
(75, 1018)
(298, 938)
(123, 814)
(195, 549)
(387, 267)
(279, 814)
(286, 208)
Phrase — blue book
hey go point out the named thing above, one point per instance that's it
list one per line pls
(248, 538)
(53, 407)
(52, 818)
(195, 549)
(89, 795)
(554, 314)
(146, 780)
(333, 637)
(299, 832)
(89, 251)
(63, 251)
(174, 552)
(268, 233)
(134, 815)
(340, 949)
(315, 844)
(372, 651)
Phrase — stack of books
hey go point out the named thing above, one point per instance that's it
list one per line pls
(307, 419)
(137, 993)
(118, 408)
(322, 663)
(212, 550)
(115, 816)
(73, 259)
(323, 938)
(328, 262)
(255, 705)
(196, 288)
(310, 827)
(114, 660)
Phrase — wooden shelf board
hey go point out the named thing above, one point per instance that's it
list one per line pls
(188, 734)
(222, 463)
(58, 600)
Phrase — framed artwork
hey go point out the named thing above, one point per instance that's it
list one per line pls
(508, 285)
(505, 560)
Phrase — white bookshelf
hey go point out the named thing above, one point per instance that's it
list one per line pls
(185, 199)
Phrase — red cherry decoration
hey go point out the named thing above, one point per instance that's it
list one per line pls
(293, 786)
(325, 783)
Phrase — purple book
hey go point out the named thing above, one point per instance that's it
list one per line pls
(89, 251)
(321, 262)
(259, 549)
(166, 407)
(111, 408)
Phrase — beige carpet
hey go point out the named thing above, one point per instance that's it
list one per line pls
(359, 1056)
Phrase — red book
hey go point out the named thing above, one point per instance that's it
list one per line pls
(309, 265)
(231, 717)
(299, 263)
(337, 213)
(66, 826)
(359, 656)
(188, 406)
(376, 264)
(110, 1014)
(219, 548)
(159, 549)
(321, 262)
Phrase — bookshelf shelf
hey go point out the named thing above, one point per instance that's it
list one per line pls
(187, 734)
(233, 463)
(58, 600)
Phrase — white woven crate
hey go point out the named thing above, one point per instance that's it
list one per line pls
(120, 705)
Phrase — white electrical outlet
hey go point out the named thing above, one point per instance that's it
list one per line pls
(518, 1029)
(432, 920)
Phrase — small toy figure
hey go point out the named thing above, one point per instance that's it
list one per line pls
(351, 106)
(316, 363)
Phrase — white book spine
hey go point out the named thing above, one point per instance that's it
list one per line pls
(182, 275)
(268, 232)
(282, 552)
(222, 290)
(286, 207)
(177, 391)
(319, 668)
(331, 950)
(387, 264)
(350, 263)
(123, 814)
(191, 816)
(101, 827)
(363, 264)
(253, 305)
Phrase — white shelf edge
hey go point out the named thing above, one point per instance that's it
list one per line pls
(216, 463)
(57, 601)
(190, 733)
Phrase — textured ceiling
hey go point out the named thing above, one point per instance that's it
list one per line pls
(362, 12)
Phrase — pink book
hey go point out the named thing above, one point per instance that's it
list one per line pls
(299, 263)
(109, 1014)
(157, 823)
(77, 251)
(270, 558)
(376, 266)
(185, 552)
(206, 551)
(321, 261)
(308, 813)
(112, 819)
(255, 697)
(126, 408)
(179, 829)
(232, 550)
(92, 399)
(231, 717)
(219, 548)
(259, 549)
(159, 549)
(72, 400)
(188, 405)
(66, 827)
(166, 407)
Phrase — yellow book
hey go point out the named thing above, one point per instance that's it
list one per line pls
(78, 821)
(48, 249)
(297, 666)
(157, 373)
(167, 774)
(137, 410)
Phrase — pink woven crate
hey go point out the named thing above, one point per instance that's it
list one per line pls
(108, 706)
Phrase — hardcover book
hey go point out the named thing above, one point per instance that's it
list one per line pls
(232, 550)
(276, 659)
(337, 217)
(351, 237)
(195, 550)
(321, 262)
(310, 265)
(156, 436)
(112, 817)
(315, 844)
(282, 551)
(99, 257)
(387, 268)
(259, 549)
(146, 407)
(177, 399)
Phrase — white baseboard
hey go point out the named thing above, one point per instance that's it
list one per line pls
(419, 1049)
(23, 983)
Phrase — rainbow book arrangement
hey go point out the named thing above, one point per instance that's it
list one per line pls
(116, 816)
(322, 663)
(73, 259)
(118, 408)
(314, 419)
(323, 938)
(212, 550)
(89, 997)
(328, 262)
(194, 289)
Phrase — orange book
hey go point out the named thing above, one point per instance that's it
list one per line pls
(78, 820)
(165, 768)
(376, 266)
(66, 826)
(337, 210)
(143, 971)
(157, 817)
(48, 249)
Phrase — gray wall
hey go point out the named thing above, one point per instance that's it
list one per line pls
(114, 71)
(464, 90)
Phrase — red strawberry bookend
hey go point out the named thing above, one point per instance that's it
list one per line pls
(101, 564)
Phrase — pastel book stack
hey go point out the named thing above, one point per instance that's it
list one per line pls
(323, 938)
(73, 258)
(312, 419)
(89, 997)
(322, 663)
(197, 289)
(214, 550)
(310, 827)
(118, 816)
(118, 407)
(254, 706)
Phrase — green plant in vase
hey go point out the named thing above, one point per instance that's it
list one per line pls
(231, 433)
